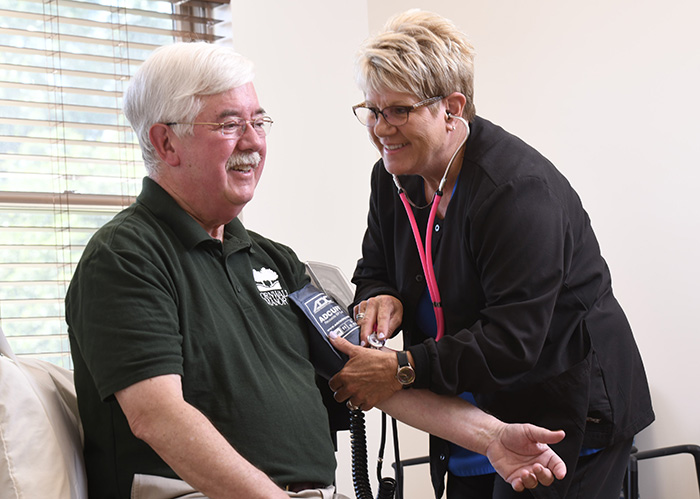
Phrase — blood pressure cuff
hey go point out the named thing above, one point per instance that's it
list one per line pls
(325, 316)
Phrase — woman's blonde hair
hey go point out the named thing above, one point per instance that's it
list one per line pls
(421, 53)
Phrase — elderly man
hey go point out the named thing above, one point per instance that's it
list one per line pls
(193, 375)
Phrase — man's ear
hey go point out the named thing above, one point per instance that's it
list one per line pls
(163, 139)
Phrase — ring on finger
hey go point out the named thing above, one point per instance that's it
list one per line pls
(351, 406)
(359, 316)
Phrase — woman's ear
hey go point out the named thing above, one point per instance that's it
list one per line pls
(163, 139)
(455, 104)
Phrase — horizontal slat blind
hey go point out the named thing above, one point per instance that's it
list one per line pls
(39, 245)
(68, 158)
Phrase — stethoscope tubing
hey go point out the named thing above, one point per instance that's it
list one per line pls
(426, 259)
(426, 253)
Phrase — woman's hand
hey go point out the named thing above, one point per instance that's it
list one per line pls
(381, 314)
(369, 376)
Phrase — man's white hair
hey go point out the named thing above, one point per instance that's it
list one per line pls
(168, 87)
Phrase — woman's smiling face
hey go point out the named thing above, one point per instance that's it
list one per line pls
(417, 146)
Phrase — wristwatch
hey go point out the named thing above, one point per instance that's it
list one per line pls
(405, 373)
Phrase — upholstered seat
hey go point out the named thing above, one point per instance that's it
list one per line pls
(40, 433)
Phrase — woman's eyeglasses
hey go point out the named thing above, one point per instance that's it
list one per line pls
(393, 115)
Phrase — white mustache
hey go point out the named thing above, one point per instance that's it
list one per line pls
(251, 159)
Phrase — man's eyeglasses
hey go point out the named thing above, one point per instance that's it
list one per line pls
(235, 127)
(393, 115)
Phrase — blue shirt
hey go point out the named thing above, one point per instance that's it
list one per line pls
(463, 462)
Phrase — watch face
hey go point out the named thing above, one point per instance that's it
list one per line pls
(406, 375)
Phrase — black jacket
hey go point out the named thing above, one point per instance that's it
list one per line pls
(532, 326)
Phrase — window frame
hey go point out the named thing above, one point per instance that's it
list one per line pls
(60, 208)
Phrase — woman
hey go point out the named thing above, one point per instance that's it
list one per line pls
(520, 314)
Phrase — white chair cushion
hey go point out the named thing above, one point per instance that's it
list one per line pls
(40, 433)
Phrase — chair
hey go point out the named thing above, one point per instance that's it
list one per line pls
(41, 438)
(41, 452)
(631, 485)
(400, 465)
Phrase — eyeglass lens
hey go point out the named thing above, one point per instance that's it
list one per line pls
(394, 115)
(237, 127)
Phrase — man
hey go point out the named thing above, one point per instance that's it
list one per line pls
(191, 366)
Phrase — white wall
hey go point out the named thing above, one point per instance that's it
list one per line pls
(607, 89)
(314, 192)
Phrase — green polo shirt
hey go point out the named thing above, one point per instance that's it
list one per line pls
(154, 294)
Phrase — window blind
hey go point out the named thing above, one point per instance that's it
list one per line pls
(68, 158)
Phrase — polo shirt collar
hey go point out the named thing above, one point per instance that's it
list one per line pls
(236, 237)
(186, 228)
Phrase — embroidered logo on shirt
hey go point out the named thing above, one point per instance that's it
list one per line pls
(269, 286)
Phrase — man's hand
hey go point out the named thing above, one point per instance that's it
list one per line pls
(368, 378)
(519, 452)
(520, 455)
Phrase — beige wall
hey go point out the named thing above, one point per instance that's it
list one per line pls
(606, 89)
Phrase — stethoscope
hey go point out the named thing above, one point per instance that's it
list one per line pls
(426, 253)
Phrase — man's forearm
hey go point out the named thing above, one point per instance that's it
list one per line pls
(187, 441)
(449, 418)
(520, 453)
(203, 458)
